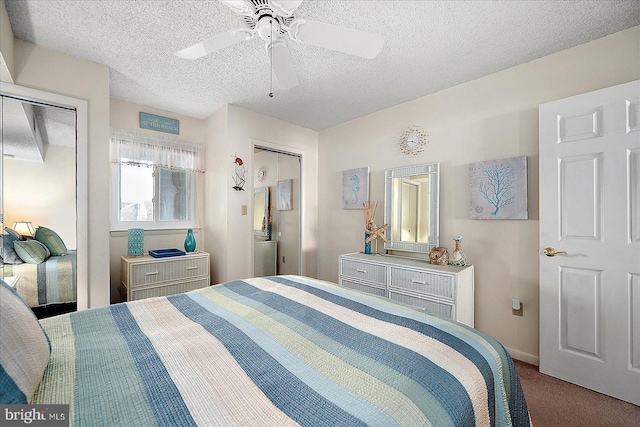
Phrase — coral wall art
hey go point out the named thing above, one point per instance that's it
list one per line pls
(499, 189)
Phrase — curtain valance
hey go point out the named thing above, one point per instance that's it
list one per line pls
(140, 149)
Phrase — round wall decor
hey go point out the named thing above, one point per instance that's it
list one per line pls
(262, 173)
(413, 141)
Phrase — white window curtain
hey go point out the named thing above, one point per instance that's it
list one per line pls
(140, 149)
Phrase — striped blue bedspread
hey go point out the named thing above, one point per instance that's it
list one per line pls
(278, 351)
(50, 282)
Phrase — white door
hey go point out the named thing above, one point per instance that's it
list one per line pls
(590, 209)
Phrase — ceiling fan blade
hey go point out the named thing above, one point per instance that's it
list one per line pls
(215, 43)
(284, 7)
(282, 64)
(341, 39)
(240, 7)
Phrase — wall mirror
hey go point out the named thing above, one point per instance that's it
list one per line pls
(412, 208)
(260, 206)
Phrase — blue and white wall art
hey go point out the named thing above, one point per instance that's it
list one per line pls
(499, 189)
(355, 188)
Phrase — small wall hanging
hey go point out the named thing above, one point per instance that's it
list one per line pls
(413, 141)
(159, 123)
(262, 173)
(239, 174)
(499, 189)
(284, 193)
(355, 188)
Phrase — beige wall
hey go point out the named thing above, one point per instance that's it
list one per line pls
(218, 188)
(126, 115)
(43, 192)
(490, 118)
(234, 131)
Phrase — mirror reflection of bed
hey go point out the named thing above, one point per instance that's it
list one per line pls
(39, 204)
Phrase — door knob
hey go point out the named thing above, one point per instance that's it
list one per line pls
(552, 252)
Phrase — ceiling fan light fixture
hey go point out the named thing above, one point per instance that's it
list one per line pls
(271, 20)
(268, 28)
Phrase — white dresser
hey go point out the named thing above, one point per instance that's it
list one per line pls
(440, 289)
(264, 258)
(146, 276)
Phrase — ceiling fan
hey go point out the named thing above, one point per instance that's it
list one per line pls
(271, 20)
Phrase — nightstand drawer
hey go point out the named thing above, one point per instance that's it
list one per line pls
(364, 271)
(162, 271)
(440, 285)
(164, 290)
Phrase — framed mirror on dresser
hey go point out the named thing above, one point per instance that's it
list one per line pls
(412, 210)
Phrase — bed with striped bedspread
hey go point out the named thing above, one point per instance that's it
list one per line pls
(278, 351)
(50, 282)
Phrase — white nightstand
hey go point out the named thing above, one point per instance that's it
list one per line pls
(146, 276)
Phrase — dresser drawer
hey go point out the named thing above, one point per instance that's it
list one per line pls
(364, 271)
(428, 283)
(162, 271)
(439, 308)
(364, 287)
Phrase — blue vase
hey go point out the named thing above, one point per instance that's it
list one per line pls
(269, 232)
(190, 241)
(367, 245)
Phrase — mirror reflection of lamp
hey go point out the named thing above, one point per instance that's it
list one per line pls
(24, 228)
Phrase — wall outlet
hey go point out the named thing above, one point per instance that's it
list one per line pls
(244, 209)
(516, 307)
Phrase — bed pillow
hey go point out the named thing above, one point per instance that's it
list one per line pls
(13, 233)
(32, 251)
(24, 349)
(51, 240)
(7, 251)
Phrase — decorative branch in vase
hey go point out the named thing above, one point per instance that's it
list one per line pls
(371, 231)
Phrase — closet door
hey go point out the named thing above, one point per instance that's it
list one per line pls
(590, 240)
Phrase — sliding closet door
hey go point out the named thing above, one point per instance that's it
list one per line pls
(280, 173)
(289, 219)
(39, 190)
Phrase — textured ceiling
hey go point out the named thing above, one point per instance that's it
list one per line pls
(429, 46)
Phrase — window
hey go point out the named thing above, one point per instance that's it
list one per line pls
(155, 181)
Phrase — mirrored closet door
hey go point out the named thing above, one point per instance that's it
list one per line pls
(38, 200)
(277, 212)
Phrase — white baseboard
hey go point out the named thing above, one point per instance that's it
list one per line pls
(524, 357)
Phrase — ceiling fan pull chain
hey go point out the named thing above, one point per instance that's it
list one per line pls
(271, 61)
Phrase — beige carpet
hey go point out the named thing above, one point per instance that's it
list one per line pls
(553, 402)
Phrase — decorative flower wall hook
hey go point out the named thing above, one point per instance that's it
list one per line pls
(239, 175)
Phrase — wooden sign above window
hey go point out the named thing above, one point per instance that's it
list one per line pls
(159, 123)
